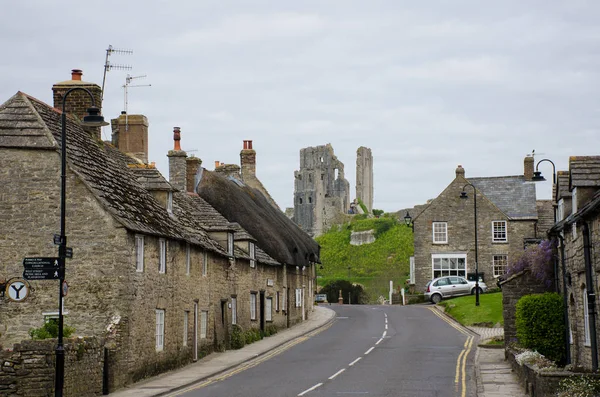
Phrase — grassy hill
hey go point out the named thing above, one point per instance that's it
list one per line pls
(372, 265)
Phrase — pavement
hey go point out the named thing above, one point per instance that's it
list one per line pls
(494, 376)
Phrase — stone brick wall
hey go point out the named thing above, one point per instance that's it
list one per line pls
(28, 370)
(360, 238)
(513, 289)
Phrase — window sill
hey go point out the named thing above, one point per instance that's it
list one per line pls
(500, 242)
(439, 243)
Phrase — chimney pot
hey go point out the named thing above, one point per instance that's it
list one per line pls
(249, 144)
(76, 74)
(216, 163)
(177, 138)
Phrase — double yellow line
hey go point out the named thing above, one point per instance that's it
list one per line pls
(460, 379)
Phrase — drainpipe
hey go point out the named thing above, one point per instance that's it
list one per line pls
(589, 280)
(565, 300)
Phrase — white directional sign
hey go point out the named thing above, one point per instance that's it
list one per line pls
(17, 290)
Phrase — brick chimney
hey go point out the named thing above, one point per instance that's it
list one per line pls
(192, 166)
(130, 135)
(177, 163)
(460, 171)
(248, 161)
(528, 168)
(78, 101)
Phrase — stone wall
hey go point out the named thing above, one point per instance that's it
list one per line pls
(360, 238)
(513, 289)
(364, 176)
(28, 370)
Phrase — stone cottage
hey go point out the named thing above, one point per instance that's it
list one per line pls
(577, 228)
(154, 272)
(444, 231)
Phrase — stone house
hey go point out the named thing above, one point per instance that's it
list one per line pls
(150, 273)
(577, 228)
(444, 232)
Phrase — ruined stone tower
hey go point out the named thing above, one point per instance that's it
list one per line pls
(364, 177)
(321, 192)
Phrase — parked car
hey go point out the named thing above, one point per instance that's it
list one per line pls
(448, 286)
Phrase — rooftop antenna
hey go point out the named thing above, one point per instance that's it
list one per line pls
(108, 66)
(127, 85)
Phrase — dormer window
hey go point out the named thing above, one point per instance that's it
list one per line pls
(170, 202)
(230, 243)
(252, 250)
(560, 210)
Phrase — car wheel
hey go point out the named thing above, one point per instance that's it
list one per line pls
(436, 298)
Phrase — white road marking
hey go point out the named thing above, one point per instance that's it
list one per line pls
(384, 334)
(379, 341)
(369, 351)
(354, 362)
(309, 390)
(386, 326)
(386, 320)
(337, 373)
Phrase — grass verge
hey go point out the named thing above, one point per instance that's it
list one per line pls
(487, 314)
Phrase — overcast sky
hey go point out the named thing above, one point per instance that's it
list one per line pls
(427, 85)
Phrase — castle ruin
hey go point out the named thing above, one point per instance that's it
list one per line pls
(364, 176)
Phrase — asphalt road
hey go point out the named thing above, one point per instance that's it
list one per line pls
(368, 351)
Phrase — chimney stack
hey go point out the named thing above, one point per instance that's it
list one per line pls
(78, 101)
(177, 163)
(460, 171)
(192, 166)
(248, 161)
(528, 168)
(130, 135)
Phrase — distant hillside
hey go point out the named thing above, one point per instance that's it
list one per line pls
(372, 265)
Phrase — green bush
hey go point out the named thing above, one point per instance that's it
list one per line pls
(50, 330)
(377, 213)
(252, 335)
(540, 324)
(579, 386)
(237, 337)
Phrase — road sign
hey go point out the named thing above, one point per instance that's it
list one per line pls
(41, 262)
(68, 252)
(65, 288)
(44, 273)
(17, 290)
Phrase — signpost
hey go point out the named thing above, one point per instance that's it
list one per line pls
(17, 290)
(43, 269)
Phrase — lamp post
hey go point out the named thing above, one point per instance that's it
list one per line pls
(93, 119)
(408, 221)
(463, 195)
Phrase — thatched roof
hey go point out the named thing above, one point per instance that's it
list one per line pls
(275, 233)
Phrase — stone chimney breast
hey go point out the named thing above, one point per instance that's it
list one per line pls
(177, 163)
(460, 171)
(528, 168)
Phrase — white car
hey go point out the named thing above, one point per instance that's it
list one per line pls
(448, 286)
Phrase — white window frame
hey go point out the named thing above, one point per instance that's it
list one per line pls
(269, 309)
(439, 236)
(160, 330)
(186, 322)
(253, 306)
(574, 200)
(230, 243)
(586, 320)
(170, 202)
(284, 300)
(233, 310)
(204, 263)
(252, 251)
(449, 271)
(139, 253)
(496, 259)
(298, 297)
(162, 255)
(203, 323)
(188, 259)
(497, 231)
(560, 210)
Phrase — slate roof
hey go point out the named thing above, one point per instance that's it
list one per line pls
(562, 185)
(100, 166)
(513, 195)
(275, 233)
(209, 217)
(584, 171)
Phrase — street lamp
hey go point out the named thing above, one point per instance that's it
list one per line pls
(93, 119)
(408, 221)
(463, 195)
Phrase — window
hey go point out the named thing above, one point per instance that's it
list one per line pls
(253, 306)
(500, 263)
(298, 297)
(188, 259)
(162, 255)
(560, 210)
(252, 249)
(139, 253)
(277, 301)
(186, 319)
(586, 319)
(449, 265)
(233, 310)
(268, 309)
(160, 330)
(230, 243)
(499, 231)
(284, 300)
(300, 200)
(203, 324)
(204, 263)
(170, 202)
(574, 200)
(310, 177)
(309, 199)
(440, 232)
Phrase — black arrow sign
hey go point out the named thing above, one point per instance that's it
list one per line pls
(44, 273)
(48, 262)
